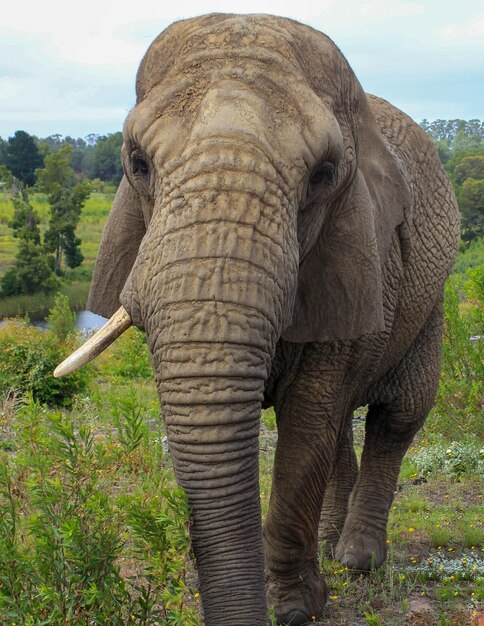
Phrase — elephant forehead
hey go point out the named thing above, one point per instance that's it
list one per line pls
(286, 121)
(184, 46)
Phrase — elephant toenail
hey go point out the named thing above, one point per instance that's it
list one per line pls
(295, 618)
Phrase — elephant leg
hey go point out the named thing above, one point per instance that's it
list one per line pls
(308, 432)
(338, 491)
(406, 397)
(294, 585)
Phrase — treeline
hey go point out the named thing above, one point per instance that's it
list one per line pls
(92, 157)
(460, 145)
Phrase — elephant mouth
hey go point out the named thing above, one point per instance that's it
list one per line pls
(102, 339)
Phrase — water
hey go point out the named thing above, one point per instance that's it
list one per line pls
(87, 321)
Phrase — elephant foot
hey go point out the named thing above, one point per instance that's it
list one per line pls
(361, 550)
(299, 601)
(328, 536)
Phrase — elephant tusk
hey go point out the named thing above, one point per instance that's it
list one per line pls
(103, 338)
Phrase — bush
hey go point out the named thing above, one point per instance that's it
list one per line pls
(470, 256)
(454, 460)
(61, 320)
(459, 398)
(29, 357)
(129, 357)
(82, 539)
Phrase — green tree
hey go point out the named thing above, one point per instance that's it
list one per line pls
(455, 134)
(62, 319)
(23, 157)
(471, 204)
(25, 221)
(3, 151)
(31, 273)
(6, 178)
(66, 197)
(469, 167)
(106, 162)
(32, 270)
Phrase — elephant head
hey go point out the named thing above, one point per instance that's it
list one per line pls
(258, 203)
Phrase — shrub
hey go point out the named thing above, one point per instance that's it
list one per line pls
(29, 356)
(61, 320)
(60, 539)
(82, 539)
(453, 460)
(459, 398)
(129, 356)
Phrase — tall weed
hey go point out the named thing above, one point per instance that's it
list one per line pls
(81, 541)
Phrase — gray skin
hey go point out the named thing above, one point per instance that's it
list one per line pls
(283, 238)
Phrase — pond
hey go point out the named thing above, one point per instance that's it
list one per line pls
(86, 322)
(89, 321)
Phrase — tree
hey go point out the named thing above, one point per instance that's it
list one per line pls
(32, 271)
(66, 197)
(6, 178)
(456, 134)
(471, 204)
(33, 268)
(23, 157)
(25, 221)
(460, 145)
(106, 161)
(469, 167)
(3, 151)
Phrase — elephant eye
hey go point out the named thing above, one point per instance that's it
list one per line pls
(323, 174)
(139, 165)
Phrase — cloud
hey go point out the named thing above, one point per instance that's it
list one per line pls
(472, 30)
(386, 9)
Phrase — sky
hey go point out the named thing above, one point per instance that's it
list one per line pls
(69, 67)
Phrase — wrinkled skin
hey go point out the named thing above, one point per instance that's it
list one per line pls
(283, 239)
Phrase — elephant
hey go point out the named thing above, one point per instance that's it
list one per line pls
(283, 239)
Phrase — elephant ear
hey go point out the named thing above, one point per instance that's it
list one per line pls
(123, 232)
(339, 293)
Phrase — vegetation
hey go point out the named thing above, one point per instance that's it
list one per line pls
(92, 530)
(66, 196)
(32, 270)
(96, 156)
(461, 149)
(458, 406)
(22, 157)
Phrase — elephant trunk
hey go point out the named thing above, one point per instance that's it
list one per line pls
(212, 306)
(212, 423)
